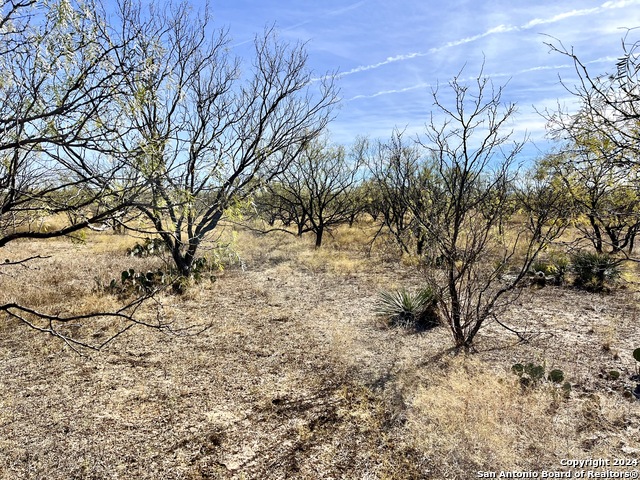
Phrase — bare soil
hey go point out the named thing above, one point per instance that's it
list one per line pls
(296, 376)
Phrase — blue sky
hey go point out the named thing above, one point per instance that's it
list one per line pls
(389, 55)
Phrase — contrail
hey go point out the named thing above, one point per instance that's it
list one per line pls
(493, 31)
(493, 75)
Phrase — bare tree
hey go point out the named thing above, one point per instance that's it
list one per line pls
(204, 129)
(320, 188)
(273, 203)
(468, 189)
(397, 173)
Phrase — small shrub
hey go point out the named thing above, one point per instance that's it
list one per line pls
(201, 269)
(560, 263)
(543, 266)
(554, 268)
(409, 310)
(594, 270)
(150, 246)
(136, 283)
(223, 255)
(530, 374)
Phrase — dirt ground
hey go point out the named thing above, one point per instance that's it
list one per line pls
(296, 376)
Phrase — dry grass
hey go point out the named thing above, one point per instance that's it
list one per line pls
(296, 378)
(478, 419)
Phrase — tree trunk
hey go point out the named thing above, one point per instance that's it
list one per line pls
(614, 236)
(597, 240)
(184, 261)
(632, 237)
(319, 234)
(420, 245)
(459, 337)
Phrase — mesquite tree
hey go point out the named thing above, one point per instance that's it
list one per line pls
(60, 78)
(61, 84)
(600, 145)
(320, 188)
(609, 104)
(396, 175)
(469, 184)
(603, 197)
(206, 130)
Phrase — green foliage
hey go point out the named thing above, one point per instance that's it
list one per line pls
(143, 283)
(531, 375)
(594, 270)
(150, 246)
(601, 193)
(138, 283)
(542, 266)
(223, 255)
(203, 268)
(556, 376)
(409, 310)
(613, 375)
(554, 267)
(132, 282)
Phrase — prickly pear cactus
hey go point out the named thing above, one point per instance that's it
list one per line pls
(556, 376)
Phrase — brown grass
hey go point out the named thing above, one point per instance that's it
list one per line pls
(297, 378)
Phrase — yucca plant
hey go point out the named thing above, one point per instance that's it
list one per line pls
(409, 310)
(593, 270)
